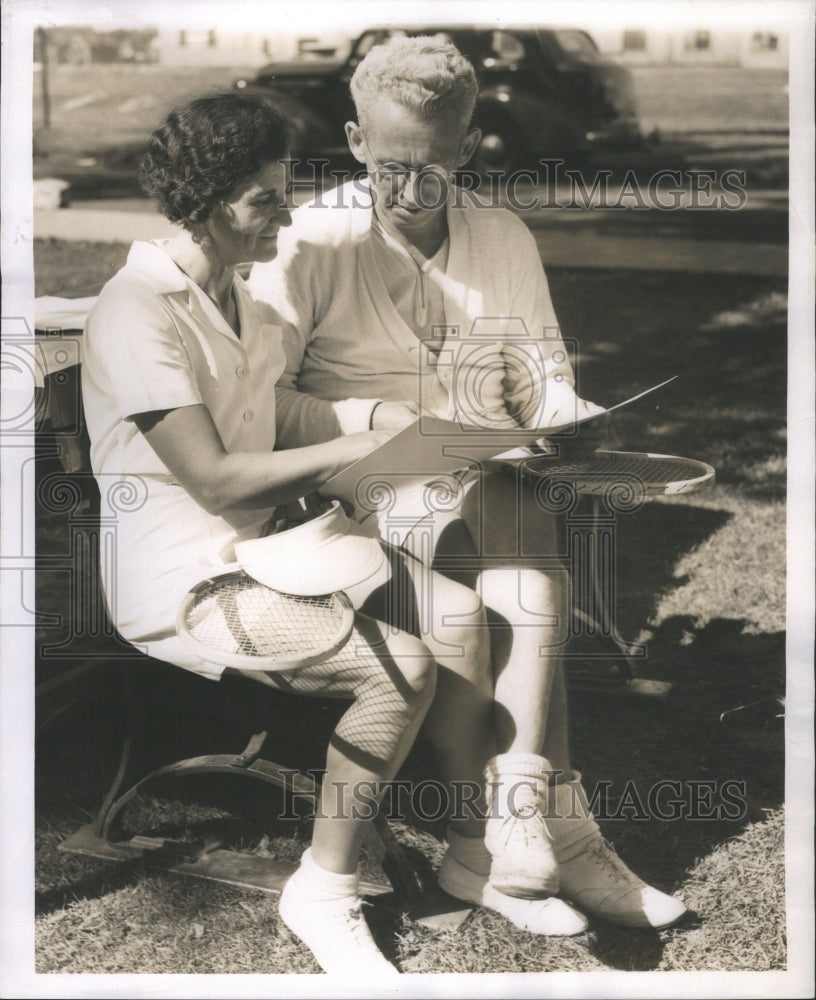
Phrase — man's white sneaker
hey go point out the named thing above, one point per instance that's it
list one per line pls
(516, 835)
(596, 880)
(335, 931)
(550, 916)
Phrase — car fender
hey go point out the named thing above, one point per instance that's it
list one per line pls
(542, 125)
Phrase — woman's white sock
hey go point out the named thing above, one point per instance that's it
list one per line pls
(322, 885)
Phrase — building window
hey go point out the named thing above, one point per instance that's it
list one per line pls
(764, 41)
(182, 39)
(212, 38)
(698, 41)
(634, 40)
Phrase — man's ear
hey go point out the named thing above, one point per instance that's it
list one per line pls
(472, 140)
(356, 142)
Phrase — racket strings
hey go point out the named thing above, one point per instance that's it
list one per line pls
(641, 469)
(243, 616)
(240, 616)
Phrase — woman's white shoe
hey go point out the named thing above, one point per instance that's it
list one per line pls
(335, 931)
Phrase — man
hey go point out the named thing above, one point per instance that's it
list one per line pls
(407, 294)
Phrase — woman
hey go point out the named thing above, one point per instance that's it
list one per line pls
(178, 381)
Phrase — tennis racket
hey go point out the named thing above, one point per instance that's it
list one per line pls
(645, 473)
(233, 620)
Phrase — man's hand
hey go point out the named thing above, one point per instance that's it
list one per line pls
(394, 417)
(585, 438)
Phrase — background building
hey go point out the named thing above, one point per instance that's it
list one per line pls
(209, 47)
(755, 47)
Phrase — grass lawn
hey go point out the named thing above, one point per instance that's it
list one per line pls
(700, 580)
(686, 98)
(105, 106)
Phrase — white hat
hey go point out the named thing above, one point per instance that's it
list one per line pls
(316, 557)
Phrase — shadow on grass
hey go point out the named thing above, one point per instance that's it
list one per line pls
(724, 335)
(680, 777)
(625, 948)
(649, 544)
(103, 879)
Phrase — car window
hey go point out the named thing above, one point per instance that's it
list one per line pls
(369, 39)
(506, 47)
(576, 42)
(367, 42)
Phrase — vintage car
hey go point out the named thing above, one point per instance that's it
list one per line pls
(544, 91)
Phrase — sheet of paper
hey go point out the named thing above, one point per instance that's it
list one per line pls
(432, 447)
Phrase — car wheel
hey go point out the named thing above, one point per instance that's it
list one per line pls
(501, 148)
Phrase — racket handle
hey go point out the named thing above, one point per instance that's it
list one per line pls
(315, 504)
(288, 515)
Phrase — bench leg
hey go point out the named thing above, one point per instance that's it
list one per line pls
(408, 893)
(104, 818)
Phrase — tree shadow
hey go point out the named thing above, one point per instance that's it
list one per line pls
(682, 775)
(724, 335)
(649, 543)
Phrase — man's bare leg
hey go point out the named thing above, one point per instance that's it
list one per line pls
(527, 594)
(533, 599)
(459, 723)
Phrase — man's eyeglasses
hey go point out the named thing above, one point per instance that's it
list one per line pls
(430, 183)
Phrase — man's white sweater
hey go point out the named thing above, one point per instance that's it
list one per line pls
(499, 361)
